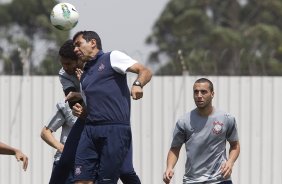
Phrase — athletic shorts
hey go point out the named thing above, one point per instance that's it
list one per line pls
(70, 177)
(226, 182)
(101, 152)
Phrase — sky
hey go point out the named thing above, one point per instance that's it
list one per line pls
(122, 24)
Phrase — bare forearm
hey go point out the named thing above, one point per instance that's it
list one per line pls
(7, 150)
(172, 157)
(48, 137)
(144, 76)
(234, 151)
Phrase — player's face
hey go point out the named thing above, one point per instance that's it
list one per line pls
(202, 95)
(83, 49)
(68, 65)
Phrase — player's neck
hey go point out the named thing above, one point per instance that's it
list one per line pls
(206, 111)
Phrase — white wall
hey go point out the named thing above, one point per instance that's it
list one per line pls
(26, 104)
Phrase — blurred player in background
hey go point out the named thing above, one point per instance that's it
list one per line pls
(204, 131)
(62, 118)
(69, 77)
(8, 150)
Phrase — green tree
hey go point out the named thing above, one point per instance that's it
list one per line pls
(219, 37)
(23, 26)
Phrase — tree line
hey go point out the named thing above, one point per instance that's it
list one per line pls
(198, 37)
(27, 39)
(215, 37)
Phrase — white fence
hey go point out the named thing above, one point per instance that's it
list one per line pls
(26, 104)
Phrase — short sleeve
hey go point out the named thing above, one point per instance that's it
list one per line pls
(232, 131)
(120, 61)
(70, 119)
(57, 120)
(179, 135)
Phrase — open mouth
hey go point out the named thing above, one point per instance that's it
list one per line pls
(79, 55)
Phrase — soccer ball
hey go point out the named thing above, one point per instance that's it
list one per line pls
(64, 16)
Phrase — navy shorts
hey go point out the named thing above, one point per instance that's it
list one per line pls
(101, 152)
(226, 182)
(70, 177)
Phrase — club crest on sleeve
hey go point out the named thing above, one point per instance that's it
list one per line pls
(217, 127)
(77, 170)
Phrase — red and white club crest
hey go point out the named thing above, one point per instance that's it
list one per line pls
(217, 127)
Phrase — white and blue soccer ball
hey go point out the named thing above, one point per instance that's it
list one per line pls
(64, 16)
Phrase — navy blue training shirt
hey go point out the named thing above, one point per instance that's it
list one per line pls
(106, 91)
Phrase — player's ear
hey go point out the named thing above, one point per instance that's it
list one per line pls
(93, 43)
(212, 94)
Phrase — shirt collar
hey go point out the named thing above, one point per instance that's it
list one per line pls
(93, 60)
(97, 55)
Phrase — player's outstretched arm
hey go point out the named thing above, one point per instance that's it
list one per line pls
(8, 150)
(172, 158)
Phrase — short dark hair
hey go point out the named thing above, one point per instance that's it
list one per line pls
(67, 50)
(202, 80)
(89, 35)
